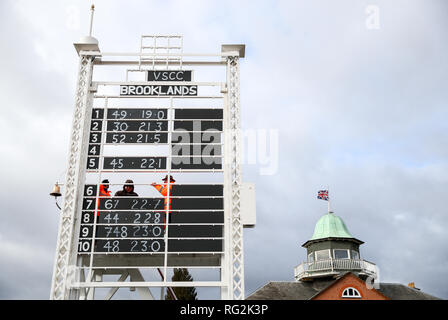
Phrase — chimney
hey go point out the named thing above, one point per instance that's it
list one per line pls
(412, 285)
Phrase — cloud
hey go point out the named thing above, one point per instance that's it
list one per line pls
(360, 110)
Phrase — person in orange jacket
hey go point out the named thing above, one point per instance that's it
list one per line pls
(104, 192)
(163, 189)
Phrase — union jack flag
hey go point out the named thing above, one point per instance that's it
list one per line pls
(323, 195)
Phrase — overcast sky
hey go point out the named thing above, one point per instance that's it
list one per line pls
(356, 92)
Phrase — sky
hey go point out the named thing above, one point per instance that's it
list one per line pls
(347, 94)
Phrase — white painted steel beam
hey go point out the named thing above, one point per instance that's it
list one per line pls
(158, 62)
(160, 54)
(157, 83)
(143, 284)
(236, 174)
(65, 247)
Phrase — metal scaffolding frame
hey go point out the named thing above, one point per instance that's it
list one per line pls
(235, 175)
(63, 271)
(70, 280)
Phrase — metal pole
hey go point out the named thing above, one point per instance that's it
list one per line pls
(62, 271)
(237, 258)
(92, 10)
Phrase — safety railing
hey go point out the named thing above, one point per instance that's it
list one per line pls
(333, 266)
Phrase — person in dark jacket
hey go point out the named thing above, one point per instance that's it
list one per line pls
(128, 190)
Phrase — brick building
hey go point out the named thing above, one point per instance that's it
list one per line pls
(334, 270)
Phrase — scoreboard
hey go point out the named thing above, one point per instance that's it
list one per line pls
(139, 225)
(157, 122)
(195, 138)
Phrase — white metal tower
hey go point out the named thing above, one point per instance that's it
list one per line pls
(78, 272)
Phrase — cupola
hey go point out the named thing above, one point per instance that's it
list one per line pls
(331, 251)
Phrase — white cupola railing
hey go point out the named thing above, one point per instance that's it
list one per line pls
(321, 268)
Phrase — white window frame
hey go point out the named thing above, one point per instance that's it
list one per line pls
(346, 250)
(329, 255)
(356, 293)
(311, 255)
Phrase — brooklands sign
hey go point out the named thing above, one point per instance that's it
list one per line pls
(162, 90)
(158, 90)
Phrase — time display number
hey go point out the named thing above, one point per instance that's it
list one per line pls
(131, 137)
(124, 217)
(124, 203)
(122, 245)
(122, 231)
(127, 113)
(134, 163)
(137, 125)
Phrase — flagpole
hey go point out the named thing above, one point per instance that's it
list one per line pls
(328, 188)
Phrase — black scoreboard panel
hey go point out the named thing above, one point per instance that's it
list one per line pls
(150, 245)
(125, 231)
(196, 245)
(196, 137)
(129, 245)
(196, 150)
(138, 225)
(94, 148)
(137, 125)
(198, 125)
(128, 217)
(198, 190)
(90, 190)
(97, 113)
(136, 113)
(169, 75)
(130, 231)
(134, 163)
(151, 231)
(95, 137)
(96, 125)
(198, 114)
(133, 137)
(152, 217)
(137, 203)
(125, 203)
(196, 163)
(196, 141)
(194, 231)
(196, 217)
(197, 203)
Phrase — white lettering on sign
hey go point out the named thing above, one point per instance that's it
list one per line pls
(165, 75)
(150, 90)
(169, 75)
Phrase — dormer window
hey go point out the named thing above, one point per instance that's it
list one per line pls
(351, 292)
